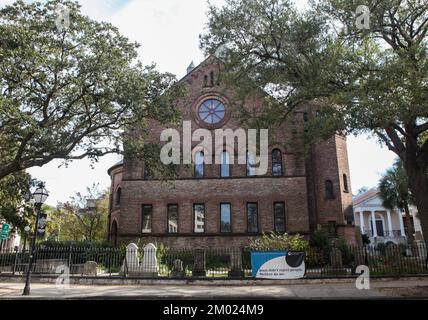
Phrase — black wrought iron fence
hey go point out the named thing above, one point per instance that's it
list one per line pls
(382, 260)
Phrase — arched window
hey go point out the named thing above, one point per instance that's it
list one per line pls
(212, 79)
(118, 196)
(225, 165)
(199, 165)
(276, 163)
(329, 190)
(345, 183)
(251, 165)
(113, 233)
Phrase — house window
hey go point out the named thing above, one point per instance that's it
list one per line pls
(251, 165)
(252, 218)
(118, 196)
(199, 218)
(199, 165)
(279, 212)
(172, 218)
(225, 165)
(276, 163)
(329, 190)
(147, 218)
(225, 218)
(345, 183)
(305, 117)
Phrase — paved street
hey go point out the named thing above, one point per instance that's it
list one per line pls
(379, 289)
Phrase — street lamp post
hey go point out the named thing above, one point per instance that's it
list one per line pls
(40, 196)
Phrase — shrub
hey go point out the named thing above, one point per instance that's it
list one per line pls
(279, 242)
(320, 239)
(347, 253)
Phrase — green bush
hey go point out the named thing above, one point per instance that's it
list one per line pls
(320, 239)
(279, 242)
(75, 244)
(347, 253)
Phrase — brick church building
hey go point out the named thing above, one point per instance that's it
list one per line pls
(225, 205)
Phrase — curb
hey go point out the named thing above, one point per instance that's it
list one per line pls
(107, 281)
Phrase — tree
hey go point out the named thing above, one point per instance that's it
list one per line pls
(69, 91)
(395, 193)
(364, 80)
(15, 191)
(362, 190)
(83, 218)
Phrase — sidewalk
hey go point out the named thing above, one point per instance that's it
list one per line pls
(415, 288)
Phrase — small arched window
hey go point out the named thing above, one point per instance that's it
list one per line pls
(345, 183)
(329, 191)
(212, 79)
(118, 196)
(276, 163)
(225, 165)
(199, 165)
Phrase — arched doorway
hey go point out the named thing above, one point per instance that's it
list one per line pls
(113, 233)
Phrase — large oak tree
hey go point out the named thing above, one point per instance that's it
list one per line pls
(68, 91)
(366, 80)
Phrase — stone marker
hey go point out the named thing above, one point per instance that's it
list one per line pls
(131, 264)
(150, 266)
(236, 263)
(90, 268)
(199, 269)
(178, 271)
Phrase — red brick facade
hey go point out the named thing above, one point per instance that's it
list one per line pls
(301, 187)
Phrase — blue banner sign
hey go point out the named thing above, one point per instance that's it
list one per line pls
(278, 265)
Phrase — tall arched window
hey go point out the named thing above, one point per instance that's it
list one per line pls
(345, 183)
(225, 165)
(276, 162)
(118, 196)
(329, 190)
(199, 165)
(113, 233)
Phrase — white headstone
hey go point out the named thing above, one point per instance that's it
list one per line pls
(132, 262)
(150, 263)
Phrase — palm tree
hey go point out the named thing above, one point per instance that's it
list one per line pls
(395, 193)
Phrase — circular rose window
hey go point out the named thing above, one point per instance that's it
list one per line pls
(212, 111)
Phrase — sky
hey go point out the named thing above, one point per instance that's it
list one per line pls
(169, 33)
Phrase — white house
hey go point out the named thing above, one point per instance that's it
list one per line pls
(389, 225)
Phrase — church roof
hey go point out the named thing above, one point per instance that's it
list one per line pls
(365, 196)
(117, 165)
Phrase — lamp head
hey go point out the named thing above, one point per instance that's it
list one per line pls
(40, 195)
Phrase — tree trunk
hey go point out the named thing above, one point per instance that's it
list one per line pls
(409, 226)
(418, 181)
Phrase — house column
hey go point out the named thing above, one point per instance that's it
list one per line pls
(362, 222)
(400, 218)
(374, 224)
(391, 232)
